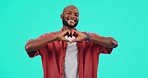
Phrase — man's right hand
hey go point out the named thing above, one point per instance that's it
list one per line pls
(61, 36)
(36, 44)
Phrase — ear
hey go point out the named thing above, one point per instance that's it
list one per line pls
(61, 16)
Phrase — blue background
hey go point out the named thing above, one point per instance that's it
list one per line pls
(125, 20)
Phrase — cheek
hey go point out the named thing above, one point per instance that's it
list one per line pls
(65, 16)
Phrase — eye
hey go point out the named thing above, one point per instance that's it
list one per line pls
(68, 13)
(76, 14)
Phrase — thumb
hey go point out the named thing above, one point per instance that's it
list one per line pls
(75, 40)
(65, 40)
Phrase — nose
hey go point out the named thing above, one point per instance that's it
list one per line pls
(72, 17)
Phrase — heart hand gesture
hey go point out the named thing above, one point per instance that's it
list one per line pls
(61, 36)
(78, 36)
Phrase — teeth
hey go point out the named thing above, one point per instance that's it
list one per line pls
(71, 20)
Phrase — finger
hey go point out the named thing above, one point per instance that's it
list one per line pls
(72, 33)
(75, 40)
(66, 32)
(76, 31)
(65, 40)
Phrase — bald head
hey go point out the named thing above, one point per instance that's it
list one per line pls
(70, 16)
(70, 7)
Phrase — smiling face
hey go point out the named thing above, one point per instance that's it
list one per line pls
(70, 16)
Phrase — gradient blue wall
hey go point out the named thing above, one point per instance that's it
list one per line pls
(125, 20)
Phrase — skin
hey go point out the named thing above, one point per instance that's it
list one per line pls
(71, 16)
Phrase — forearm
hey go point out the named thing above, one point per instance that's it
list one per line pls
(36, 44)
(104, 41)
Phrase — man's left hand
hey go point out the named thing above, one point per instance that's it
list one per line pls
(78, 36)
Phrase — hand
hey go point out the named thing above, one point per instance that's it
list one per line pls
(61, 36)
(78, 36)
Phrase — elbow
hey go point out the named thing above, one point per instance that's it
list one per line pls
(29, 51)
(114, 43)
(27, 48)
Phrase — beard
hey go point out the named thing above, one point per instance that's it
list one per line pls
(70, 26)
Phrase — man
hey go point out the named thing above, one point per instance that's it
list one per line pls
(70, 53)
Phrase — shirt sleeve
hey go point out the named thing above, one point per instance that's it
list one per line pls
(37, 52)
(106, 50)
(102, 49)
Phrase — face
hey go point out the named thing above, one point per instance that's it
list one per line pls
(70, 16)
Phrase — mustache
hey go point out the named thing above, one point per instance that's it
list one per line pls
(75, 20)
(66, 23)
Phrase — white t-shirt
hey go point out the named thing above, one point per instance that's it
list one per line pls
(71, 59)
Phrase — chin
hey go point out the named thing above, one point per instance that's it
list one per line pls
(71, 26)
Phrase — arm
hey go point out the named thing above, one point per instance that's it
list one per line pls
(108, 42)
(36, 44)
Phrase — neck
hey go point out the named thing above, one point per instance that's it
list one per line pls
(67, 28)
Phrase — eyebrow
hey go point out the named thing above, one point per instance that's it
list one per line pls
(71, 11)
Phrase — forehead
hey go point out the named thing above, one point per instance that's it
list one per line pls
(71, 9)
